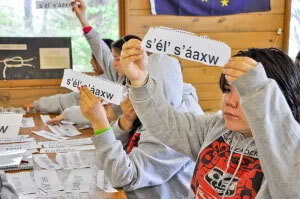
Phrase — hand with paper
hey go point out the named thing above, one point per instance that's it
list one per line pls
(79, 7)
(134, 61)
(238, 66)
(56, 120)
(92, 108)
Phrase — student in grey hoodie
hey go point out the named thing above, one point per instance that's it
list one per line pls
(252, 150)
(136, 161)
(6, 190)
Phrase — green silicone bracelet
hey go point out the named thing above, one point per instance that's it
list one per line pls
(98, 132)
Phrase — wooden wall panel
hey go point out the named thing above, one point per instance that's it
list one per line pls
(231, 23)
(18, 96)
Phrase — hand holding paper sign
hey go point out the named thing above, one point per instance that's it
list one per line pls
(238, 66)
(134, 61)
(79, 7)
(92, 109)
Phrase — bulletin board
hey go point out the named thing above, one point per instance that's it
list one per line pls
(29, 58)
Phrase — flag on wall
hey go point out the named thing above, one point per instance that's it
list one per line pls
(207, 7)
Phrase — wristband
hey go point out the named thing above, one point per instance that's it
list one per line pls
(98, 132)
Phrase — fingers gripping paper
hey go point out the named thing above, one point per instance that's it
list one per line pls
(109, 91)
(186, 45)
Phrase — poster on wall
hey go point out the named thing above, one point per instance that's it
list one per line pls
(34, 57)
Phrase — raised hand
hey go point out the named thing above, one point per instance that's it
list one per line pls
(92, 108)
(238, 66)
(79, 7)
(134, 61)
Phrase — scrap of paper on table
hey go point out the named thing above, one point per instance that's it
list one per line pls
(27, 122)
(65, 143)
(103, 183)
(186, 45)
(48, 135)
(44, 162)
(22, 182)
(109, 91)
(70, 160)
(15, 140)
(79, 180)
(67, 149)
(47, 180)
(45, 118)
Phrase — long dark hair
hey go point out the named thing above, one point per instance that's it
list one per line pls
(117, 45)
(280, 67)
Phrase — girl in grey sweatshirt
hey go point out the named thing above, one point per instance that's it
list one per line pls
(253, 149)
(151, 170)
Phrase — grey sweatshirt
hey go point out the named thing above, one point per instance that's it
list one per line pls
(152, 170)
(6, 190)
(264, 166)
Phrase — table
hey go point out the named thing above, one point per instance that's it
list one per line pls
(39, 125)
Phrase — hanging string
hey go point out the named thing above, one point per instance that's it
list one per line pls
(15, 62)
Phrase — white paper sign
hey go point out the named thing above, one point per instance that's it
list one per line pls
(65, 143)
(70, 160)
(10, 124)
(53, 4)
(103, 183)
(67, 149)
(47, 180)
(15, 139)
(27, 122)
(19, 146)
(64, 130)
(48, 135)
(44, 162)
(45, 118)
(62, 160)
(22, 182)
(108, 90)
(187, 46)
(79, 181)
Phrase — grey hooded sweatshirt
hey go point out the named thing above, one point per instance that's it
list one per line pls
(152, 170)
(229, 165)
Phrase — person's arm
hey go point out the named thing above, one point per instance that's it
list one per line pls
(6, 189)
(142, 167)
(99, 48)
(56, 103)
(120, 134)
(184, 132)
(275, 131)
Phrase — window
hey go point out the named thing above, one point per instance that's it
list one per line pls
(294, 42)
(20, 18)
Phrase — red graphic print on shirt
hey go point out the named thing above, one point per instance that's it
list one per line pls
(210, 180)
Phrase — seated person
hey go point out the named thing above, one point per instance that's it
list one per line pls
(252, 149)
